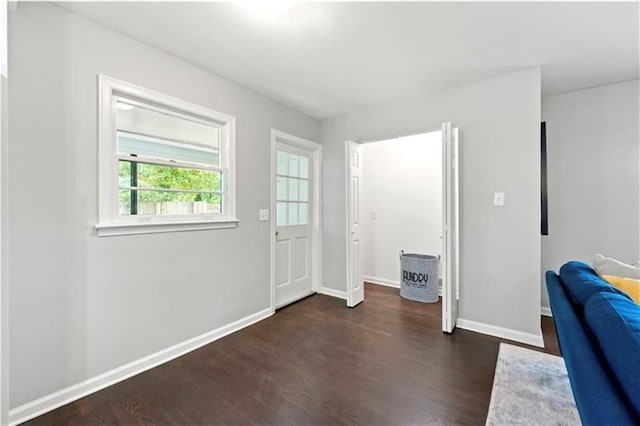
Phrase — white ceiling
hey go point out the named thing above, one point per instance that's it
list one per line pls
(326, 59)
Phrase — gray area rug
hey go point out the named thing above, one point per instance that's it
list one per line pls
(531, 388)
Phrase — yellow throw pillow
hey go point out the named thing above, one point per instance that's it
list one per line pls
(628, 285)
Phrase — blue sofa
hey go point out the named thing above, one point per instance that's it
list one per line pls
(598, 330)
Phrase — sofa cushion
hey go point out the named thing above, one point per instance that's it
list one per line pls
(614, 321)
(581, 282)
(630, 286)
(609, 266)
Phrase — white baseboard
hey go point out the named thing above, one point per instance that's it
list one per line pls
(52, 401)
(382, 281)
(504, 333)
(333, 293)
(546, 311)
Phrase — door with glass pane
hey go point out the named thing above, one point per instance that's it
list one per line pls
(293, 223)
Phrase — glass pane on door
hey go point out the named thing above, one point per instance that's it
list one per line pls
(281, 214)
(293, 190)
(293, 213)
(303, 210)
(304, 167)
(304, 190)
(293, 165)
(282, 166)
(281, 188)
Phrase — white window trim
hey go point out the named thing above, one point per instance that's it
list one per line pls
(110, 223)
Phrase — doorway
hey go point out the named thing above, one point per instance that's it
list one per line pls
(296, 251)
(402, 194)
(401, 203)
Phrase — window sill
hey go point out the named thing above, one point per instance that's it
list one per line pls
(111, 230)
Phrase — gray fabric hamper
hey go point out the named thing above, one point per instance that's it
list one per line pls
(419, 277)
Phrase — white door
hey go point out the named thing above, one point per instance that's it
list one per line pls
(294, 184)
(450, 227)
(355, 285)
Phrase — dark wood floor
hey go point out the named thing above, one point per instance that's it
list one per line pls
(316, 362)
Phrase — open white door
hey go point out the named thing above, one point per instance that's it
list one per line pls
(450, 227)
(355, 286)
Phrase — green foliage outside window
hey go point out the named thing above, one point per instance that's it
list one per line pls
(175, 178)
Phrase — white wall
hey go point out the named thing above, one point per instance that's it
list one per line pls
(82, 305)
(4, 291)
(499, 121)
(402, 187)
(593, 175)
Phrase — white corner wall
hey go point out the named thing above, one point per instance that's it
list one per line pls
(81, 305)
(402, 203)
(4, 290)
(593, 168)
(499, 121)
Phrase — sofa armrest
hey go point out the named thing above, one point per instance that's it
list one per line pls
(597, 397)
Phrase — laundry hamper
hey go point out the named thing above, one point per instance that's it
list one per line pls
(419, 277)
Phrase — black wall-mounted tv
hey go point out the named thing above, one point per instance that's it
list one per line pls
(544, 223)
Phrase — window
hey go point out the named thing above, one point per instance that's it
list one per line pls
(164, 164)
(292, 189)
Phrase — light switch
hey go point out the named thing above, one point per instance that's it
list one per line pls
(498, 198)
(373, 216)
(263, 215)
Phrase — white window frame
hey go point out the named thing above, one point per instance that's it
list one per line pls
(110, 222)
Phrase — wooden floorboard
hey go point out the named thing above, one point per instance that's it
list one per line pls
(316, 362)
